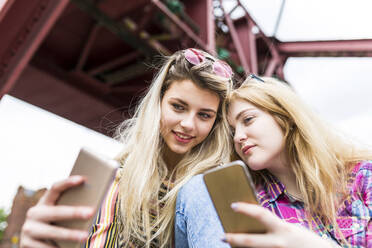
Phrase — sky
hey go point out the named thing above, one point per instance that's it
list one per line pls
(39, 148)
(338, 89)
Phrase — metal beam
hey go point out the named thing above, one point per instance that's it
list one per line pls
(30, 35)
(252, 49)
(270, 69)
(87, 47)
(114, 63)
(181, 25)
(326, 47)
(80, 80)
(115, 27)
(8, 4)
(270, 43)
(211, 29)
(125, 74)
(238, 46)
(132, 26)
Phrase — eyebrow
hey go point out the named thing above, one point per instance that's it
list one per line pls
(242, 112)
(185, 103)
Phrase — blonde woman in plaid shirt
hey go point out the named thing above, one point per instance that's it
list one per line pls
(315, 188)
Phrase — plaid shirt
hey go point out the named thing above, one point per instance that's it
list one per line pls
(353, 217)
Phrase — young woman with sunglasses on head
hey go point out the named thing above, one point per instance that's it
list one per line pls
(177, 132)
(314, 187)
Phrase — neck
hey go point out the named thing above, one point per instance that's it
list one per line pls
(288, 178)
(171, 158)
(289, 181)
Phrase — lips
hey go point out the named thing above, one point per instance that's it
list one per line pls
(183, 138)
(247, 148)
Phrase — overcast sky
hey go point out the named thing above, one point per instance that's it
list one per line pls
(38, 147)
(338, 89)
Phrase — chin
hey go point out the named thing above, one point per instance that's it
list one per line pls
(255, 165)
(180, 151)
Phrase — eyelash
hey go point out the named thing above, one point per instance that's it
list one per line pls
(177, 107)
(204, 115)
(247, 120)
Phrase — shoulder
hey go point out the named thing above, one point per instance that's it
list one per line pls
(193, 184)
(361, 176)
(362, 169)
(366, 165)
(193, 190)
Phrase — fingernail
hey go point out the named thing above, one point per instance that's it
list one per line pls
(234, 205)
(87, 213)
(223, 239)
(83, 236)
(75, 179)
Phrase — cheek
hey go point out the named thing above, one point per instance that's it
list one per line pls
(276, 136)
(205, 128)
(166, 122)
(278, 143)
(237, 147)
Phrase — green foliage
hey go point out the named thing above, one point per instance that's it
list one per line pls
(3, 223)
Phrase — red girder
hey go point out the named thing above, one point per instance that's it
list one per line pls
(31, 30)
(359, 48)
(254, 51)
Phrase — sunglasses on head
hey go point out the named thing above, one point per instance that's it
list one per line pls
(253, 76)
(220, 68)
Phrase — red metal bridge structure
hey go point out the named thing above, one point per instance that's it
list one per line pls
(88, 60)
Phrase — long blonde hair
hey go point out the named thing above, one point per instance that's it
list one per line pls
(320, 158)
(143, 169)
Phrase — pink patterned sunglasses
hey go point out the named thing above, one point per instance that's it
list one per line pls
(220, 68)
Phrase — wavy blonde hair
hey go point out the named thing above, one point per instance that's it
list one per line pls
(143, 168)
(320, 157)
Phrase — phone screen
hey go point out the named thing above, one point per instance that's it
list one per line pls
(232, 183)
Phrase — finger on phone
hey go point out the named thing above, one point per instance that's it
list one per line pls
(50, 197)
(249, 240)
(32, 243)
(47, 213)
(258, 212)
(39, 230)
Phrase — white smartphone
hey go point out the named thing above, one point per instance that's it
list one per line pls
(99, 173)
(232, 183)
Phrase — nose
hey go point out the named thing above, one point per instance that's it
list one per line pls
(188, 122)
(240, 136)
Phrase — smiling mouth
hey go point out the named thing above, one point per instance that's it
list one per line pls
(181, 137)
(246, 149)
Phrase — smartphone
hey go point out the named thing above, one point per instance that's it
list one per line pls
(232, 183)
(99, 173)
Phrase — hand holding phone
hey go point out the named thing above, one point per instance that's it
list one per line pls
(232, 183)
(98, 172)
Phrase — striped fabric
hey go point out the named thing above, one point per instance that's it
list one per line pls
(353, 217)
(105, 233)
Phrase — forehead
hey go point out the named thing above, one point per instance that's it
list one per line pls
(187, 91)
(238, 106)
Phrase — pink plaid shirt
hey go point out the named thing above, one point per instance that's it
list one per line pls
(353, 217)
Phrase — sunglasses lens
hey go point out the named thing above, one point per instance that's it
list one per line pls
(222, 69)
(193, 56)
